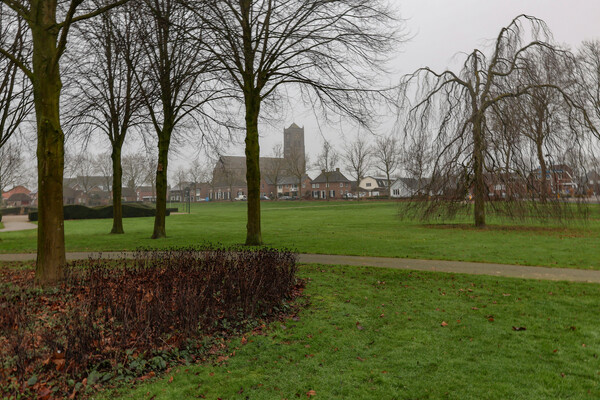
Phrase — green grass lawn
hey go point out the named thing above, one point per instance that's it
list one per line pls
(377, 334)
(365, 228)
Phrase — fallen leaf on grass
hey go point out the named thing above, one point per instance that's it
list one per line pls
(444, 323)
(44, 393)
(170, 379)
(359, 326)
(311, 393)
(519, 328)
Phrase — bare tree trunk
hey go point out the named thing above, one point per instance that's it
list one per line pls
(50, 153)
(117, 183)
(161, 186)
(253, 228)
(478, 156)
(389, 194)
(543, 171)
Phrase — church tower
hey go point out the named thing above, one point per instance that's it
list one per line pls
(293, 144)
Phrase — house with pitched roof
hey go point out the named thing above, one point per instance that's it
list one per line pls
(331, 185)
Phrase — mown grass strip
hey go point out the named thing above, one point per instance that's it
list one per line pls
(379, 334)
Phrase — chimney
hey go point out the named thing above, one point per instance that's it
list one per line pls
(337, 170)
(322, 171)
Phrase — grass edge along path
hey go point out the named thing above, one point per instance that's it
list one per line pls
(385, 334)
(345, 228)
(504, 270)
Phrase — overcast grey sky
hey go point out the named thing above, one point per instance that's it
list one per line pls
(440, 30)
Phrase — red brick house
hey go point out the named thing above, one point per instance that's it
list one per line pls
(560, 177)
(18, 200)
(15, 190)
(146, 193)
(330, 185)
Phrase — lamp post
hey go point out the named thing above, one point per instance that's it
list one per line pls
(186, 199)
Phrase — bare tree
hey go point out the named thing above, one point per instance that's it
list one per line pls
(387, 154)
(49, 23)
(276, 167)
(103, 164)
(455, 107)
(12, 166)
(357, 155)
(180, 177)
(331, 50)
(198, 172)
(179, 83)
(15, 88)
(109, 98)
(135, 170)
(295, 165)
(326, 162)
(83, 169)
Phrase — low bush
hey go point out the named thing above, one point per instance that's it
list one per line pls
(117, 319)
(16, 210)
(76, 211)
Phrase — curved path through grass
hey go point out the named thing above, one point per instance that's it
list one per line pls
(504, 270)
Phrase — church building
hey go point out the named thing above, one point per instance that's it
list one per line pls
(229, 173)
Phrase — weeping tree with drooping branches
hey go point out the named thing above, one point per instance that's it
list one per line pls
(461, 113)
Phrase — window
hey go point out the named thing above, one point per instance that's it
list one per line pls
(368, 184)
(198, 192)
(341, 184)
(304, 186)
(315, 185)
(332, 193)
(396, 192)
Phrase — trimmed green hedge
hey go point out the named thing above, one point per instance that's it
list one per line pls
(16, 210)
(82, 212)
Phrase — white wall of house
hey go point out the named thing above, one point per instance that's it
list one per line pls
(400, 190)
(368, 184)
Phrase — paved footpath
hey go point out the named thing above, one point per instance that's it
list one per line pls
(16, 223)
(515, 271)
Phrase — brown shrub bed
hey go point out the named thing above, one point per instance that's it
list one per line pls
(117, 321)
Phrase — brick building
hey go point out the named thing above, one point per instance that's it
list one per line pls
(331, 185)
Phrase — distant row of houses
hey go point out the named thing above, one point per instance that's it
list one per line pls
(332, 185)
(94, 190)
(74, 192)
